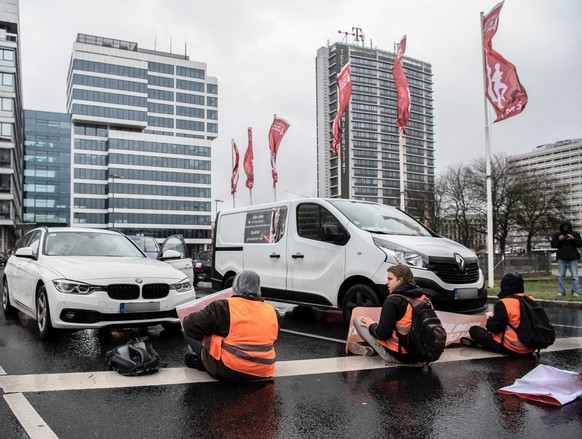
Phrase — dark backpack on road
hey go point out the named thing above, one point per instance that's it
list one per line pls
(137, 357)
(426, 340)
(535, 330)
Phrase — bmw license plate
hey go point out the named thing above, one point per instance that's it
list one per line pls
(126, 308)
(466, 293)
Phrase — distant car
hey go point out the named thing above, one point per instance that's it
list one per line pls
(203, 267)
(147, 244)
(77, 278)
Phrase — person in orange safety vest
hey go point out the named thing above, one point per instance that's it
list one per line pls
(499, 337)
(233, 339)
(395, 319)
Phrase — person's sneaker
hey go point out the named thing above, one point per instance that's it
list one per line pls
(358, 349)
(561, 294)
(575, 294)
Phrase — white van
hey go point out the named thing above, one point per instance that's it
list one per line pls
(335, 253)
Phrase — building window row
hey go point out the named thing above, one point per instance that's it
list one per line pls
(161, 81)
(189, 85)
(144, 189)
(160, 122)
(154, 107)
(109, 98)
(159, 147)
(109, 69)
(110, 83)
(190, 99)
(108, 112)
(158, 67)
(90, 130)
(189, 72)
(190, 112)
(91, 145)
(161, 95)
(159, 162)
(90, 159)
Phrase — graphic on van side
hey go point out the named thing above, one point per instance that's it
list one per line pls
(265, 226)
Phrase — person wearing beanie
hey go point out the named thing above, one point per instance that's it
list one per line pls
(499, 336)
(233, 339)
(567, 241)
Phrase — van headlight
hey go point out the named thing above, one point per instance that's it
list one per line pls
(182, 287)
(403, 255)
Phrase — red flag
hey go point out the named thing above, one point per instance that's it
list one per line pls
(248, 162)
(278, 129)
(402, 89)
(504, 90)
(234, 178)
(344, 93)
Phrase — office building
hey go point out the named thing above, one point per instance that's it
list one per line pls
(47, 166)
(368, 165)
(563, 161)
(11, 126)
(142, 126)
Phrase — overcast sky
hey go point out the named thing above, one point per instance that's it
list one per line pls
(263, 54)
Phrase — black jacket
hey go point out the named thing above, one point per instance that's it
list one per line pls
(567, 248)
(393, 310)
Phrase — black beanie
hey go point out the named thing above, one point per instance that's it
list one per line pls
(512, 283)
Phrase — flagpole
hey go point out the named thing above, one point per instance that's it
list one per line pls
(490, 244)
(232, 167)
(401, 154)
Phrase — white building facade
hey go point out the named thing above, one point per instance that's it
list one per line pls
(368, 165)
(142, 126)
(563, 161)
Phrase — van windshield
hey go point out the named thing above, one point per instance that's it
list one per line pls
(379, 218)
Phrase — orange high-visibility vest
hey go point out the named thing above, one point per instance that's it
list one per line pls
(401, 327)
(509, 338)
(248, 348)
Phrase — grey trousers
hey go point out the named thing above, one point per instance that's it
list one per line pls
(381, 349)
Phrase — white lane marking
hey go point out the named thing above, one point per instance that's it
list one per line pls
(182, 375)
(28, 417)
(567, 326)
(2, 371)
(306, 334)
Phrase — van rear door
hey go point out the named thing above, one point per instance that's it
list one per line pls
(317, 254)
(265, 246)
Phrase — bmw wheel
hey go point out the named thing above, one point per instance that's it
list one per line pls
(8, 309)
(43, 315)
(358, 295)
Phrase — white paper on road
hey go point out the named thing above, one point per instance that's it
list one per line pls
(547, 384)
(197, 304)
(456, 325)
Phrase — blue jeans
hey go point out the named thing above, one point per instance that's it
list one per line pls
(571, 265)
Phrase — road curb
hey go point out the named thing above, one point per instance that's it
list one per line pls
(546, 303)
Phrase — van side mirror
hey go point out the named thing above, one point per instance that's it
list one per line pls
(334, 234)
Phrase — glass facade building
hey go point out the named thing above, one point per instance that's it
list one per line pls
(11, 127)
(143, 122)
(47, 165)
(368, 167)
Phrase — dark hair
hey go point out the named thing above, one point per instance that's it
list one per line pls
(403, 272)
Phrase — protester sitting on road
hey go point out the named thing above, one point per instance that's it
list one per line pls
(233, 339)
(395, 319)
(500, 336)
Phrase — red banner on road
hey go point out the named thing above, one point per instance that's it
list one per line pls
(344, 93)
(234, 177)
(402, 89)
(504, 90)
(248, 163)
(278, 129)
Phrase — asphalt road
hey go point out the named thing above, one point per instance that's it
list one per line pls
(63, 389)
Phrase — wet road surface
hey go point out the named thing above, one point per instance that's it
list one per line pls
(63, 389)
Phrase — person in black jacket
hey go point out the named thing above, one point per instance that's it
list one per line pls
(567, 241)
(395, 319)
(233, 339)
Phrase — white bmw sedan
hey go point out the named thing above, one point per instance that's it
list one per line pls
(67, 278)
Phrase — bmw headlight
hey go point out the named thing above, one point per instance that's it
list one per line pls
(403, 255)
(182, 287)
(74, 287)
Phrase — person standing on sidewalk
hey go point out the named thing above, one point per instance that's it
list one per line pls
(567, 241)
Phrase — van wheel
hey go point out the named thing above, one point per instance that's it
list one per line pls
(228, 282)
(9, 310)
(43, 315)
(358, 295)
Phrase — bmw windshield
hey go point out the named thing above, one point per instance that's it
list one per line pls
(81, 243)
(379, 218)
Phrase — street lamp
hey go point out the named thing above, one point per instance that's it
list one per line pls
(113, 177)
(216, 205)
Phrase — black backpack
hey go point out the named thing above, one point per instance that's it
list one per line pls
(427, 337)
(137, 357)
(535, 330)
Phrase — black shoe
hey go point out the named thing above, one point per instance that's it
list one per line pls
(468, 342)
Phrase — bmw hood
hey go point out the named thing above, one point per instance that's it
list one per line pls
(431, 246)
(95, 269)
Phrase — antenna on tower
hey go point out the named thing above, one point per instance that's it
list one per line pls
(185, 50)
(170, 45)
(345, 40)
(155, 42)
